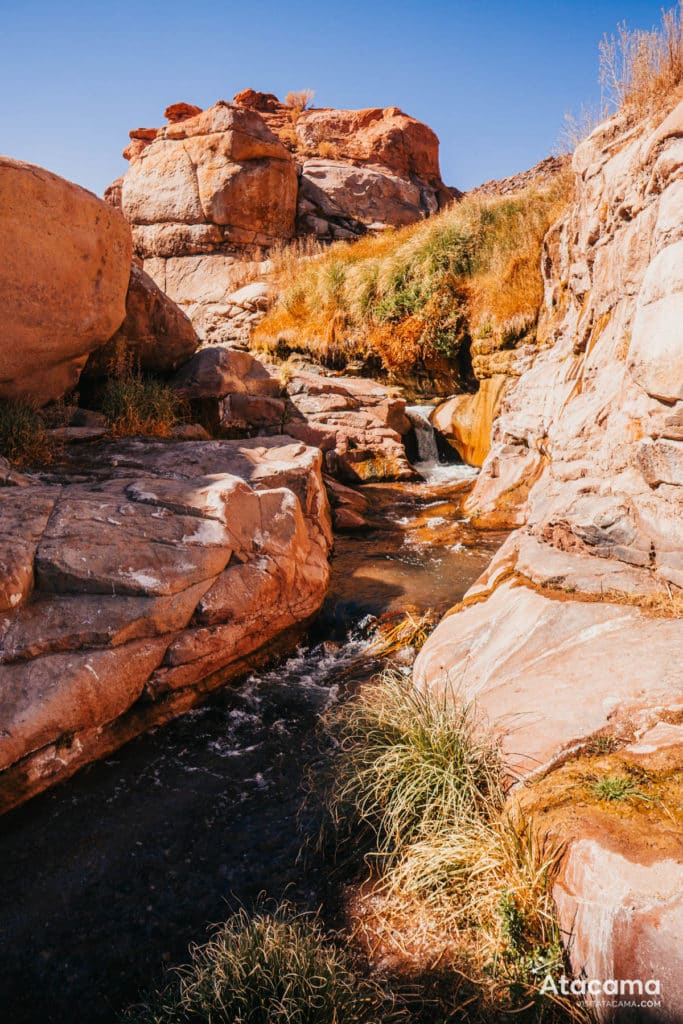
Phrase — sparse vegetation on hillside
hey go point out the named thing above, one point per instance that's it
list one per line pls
(640, 70)
(418, 294)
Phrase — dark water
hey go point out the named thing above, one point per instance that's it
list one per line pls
(108, 877)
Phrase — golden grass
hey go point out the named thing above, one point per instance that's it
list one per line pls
(419, 293)
(640, 70)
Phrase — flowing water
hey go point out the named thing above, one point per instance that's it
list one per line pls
(108, 877)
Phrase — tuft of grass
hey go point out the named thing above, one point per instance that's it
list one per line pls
(24, 439)
(617, 788)
(134, 404)
(410, 631)
(456, 867)
(407, 763)
(640, 70)
(276, 967)
(418, 294)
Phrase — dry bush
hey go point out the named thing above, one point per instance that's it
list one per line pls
(640, 70)
(298, 102)
(328, 150)
(133, 404)
(24, 439)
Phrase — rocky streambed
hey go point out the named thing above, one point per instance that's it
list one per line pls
(107, 877)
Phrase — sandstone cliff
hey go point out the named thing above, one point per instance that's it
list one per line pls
(572, 642)
(210, 195)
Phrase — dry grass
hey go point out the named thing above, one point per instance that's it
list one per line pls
(24, 439)
(417, 294)
(134, 404)
(457, 869)
(411, 631)
(640, 70)
(276, 967)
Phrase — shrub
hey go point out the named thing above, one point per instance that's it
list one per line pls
(272, 968)
(617, 788)
(298, 102)
(24, 439)
(328, 150)
(134, 404)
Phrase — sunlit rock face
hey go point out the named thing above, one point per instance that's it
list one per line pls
(63, 280)
(150, 579)
(214, 192)
(574, 637)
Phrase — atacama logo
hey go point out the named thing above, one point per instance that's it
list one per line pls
(621, 991)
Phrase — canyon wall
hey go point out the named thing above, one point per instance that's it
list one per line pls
(572, 642)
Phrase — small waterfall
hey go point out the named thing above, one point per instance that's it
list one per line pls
(428, 453)
(428, 464)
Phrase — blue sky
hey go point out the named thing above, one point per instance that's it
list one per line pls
(493, 79)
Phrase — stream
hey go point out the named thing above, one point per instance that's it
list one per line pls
(105, 879)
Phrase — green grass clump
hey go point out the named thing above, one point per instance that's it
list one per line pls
(134, 404)
(24, 439)
(272, 968)
(617, 788)
(407, 763)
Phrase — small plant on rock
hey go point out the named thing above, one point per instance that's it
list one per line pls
(617, 788)
(134, 404)
(24, 439)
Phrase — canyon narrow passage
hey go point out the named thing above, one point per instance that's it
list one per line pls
(109, 876)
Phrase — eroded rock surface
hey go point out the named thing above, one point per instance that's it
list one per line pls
(145, 582)
(63, 280)
(574, 636)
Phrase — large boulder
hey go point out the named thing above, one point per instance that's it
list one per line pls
(156, 333)
(222, 167)
(63, 280)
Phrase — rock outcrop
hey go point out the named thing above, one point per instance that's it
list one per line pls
(211, 194)
(357, 424)
(466, 421)
(151, 578)
(63, 280)
(155, 333)
(573, 640)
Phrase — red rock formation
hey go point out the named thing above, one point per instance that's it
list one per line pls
(209, 195)
(129, 593)
(155, 331)
(63, 279)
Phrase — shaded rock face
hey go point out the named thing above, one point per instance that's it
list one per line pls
(211, 194)
(357, 424)
(466, 421)
(63, 280)
(575, 631)
(157, 334)
(150, 579)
